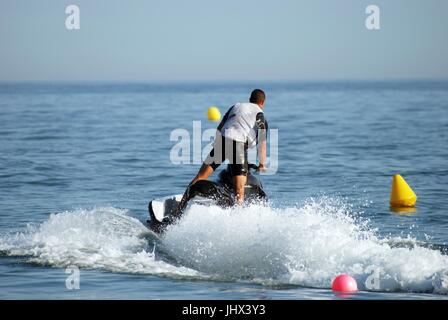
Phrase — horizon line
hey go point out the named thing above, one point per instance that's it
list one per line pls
(205, 81)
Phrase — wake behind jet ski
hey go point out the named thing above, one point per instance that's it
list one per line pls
(166, 211)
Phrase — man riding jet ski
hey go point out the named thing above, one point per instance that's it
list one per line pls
(242, 127)
(166, 211)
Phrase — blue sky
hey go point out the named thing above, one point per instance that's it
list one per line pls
(199, 40)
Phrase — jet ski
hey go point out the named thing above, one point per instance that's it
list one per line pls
(168, 210)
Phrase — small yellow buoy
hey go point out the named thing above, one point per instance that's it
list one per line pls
(401, 194)
(213, 114)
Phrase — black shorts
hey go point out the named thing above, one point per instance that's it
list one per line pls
(227, 149)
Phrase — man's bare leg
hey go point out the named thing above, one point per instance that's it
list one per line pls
(239, 183)
(203, 174)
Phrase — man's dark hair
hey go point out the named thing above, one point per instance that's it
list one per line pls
(257, 96)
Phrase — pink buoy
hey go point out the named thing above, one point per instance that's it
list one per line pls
(344, 283)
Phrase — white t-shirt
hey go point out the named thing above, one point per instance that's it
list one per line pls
(240, 124)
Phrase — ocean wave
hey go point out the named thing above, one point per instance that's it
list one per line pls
(305, 245)
(100, 238)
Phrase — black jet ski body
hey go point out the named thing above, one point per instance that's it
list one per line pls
(166, 211)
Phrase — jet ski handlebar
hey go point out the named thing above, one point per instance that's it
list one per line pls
(253, 166)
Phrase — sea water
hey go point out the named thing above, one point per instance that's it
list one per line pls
(80, 161)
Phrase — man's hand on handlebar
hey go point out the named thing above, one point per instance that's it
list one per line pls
(261, 168)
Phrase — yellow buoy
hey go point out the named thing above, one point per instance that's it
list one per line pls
(401, 194)
(213, 114)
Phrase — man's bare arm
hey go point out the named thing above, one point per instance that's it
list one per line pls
(262, 155)
(262, 127)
